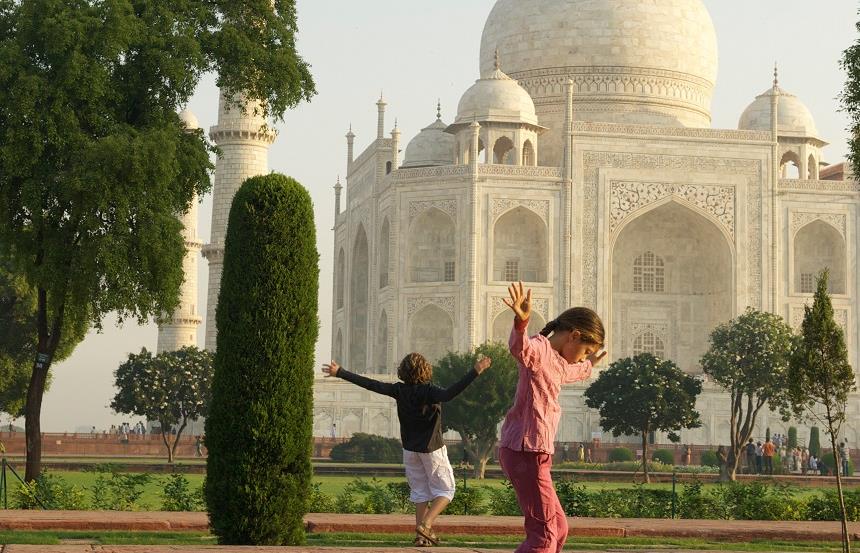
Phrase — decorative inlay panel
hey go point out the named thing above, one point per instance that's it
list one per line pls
(849, 186)
(539, 306)
(682, 132)
(448, 206)
(446, 304)
(429, 172)
(518, 171)
(501, 205)
(800, 219)
(660, 329)
(628, 197)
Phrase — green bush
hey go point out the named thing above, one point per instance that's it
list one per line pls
(574, 498)
(829, 460)
(792, 437)
(468, 501)
(758, 501)
(620, 454)
(503, 501)
(710, 459)
(259, 429)
(52, 492)
(368, 448)
(177, 495)
(117, 491)
(664, 456)
(320, 502)
(825, 505)
(814, 442)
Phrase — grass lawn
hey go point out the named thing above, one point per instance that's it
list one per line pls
(372, 541)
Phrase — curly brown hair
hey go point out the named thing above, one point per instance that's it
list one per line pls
(415, 369)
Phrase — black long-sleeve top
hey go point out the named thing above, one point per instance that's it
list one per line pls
(419, 407)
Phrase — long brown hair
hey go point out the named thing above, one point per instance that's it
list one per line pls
(583, 319)
(415, 369)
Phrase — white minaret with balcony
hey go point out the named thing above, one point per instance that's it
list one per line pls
(244, 140)
(180, 329)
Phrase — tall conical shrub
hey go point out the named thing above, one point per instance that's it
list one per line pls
(259, 430)
(814, 442)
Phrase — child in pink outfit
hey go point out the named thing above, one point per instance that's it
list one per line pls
(563, 353)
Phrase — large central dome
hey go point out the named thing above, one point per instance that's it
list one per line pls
(648, 62)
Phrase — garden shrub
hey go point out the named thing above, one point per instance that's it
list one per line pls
(503, 501)
(368, 448)
(710, 459)
(177, 495)
(51, 491)
(259, 429)
(319, 502)
(117, 491)
(665, 456)
(620, 454)
(468, 501)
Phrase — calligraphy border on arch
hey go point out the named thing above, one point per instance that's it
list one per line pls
(445, 303)
(499, 206)
(800, 219)
(593, 161)
(541, 306)
(445, 205)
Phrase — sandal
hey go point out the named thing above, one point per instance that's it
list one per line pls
(421, 542)
(427, 534)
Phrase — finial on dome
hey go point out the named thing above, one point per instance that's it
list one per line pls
(498, 65)
(775, 75)
(439, 109)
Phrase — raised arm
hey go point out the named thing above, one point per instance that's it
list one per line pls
(438, 394)
(522, 348)
(384, 388)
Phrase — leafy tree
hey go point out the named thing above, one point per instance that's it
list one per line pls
(95, 165)
(645, 394)
(173, 388)
(850, 99)
(476, 413)
(18, 339)
(259, 432)
(821, 377)
(749, 357)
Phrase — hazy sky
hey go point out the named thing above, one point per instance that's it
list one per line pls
(417, 52)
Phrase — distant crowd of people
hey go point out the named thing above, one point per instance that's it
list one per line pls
(795, 460)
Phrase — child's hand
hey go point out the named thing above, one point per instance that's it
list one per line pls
(482, 363)
(331, 369)
(520, 302)
(597, 356)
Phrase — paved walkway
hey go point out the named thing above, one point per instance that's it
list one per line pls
(722, 530)
(211, 549)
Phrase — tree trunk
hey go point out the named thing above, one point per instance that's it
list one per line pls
(846, 543)
(166, 443)
(32, 420)
(645, 456)
(727, 469)
(176, 440)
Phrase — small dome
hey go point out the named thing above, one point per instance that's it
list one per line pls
(432, 146)
(794, 117)
(498, 98)
(189, 119)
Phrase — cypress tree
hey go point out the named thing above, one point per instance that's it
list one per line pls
(814, 442)
(259, 430)
(792, 437)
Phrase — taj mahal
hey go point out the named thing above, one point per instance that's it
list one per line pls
(584, 163)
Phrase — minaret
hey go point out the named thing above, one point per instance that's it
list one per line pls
(244, 140)
(180, 329)
(380, 118)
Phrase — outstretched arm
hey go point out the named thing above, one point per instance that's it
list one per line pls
(438, 395)
(520, 345)
(384, 388)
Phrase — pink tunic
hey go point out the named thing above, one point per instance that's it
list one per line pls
(532, 422)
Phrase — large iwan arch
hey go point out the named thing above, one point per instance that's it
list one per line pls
(520, 247)
(691, 289)
(818, 245)
(432, 248)
(431, 333)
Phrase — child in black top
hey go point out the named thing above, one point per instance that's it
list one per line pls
(419, 409)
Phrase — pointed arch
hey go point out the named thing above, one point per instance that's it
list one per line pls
(789, 165)
(520, 247)
(380, 361)
(432, 247)
(529, 158)
(504, 152)
(812, 168)
(383, 253)
(340, 276)
(358, 301)
(819, 245)
(431, 333)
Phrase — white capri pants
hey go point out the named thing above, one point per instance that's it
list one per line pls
(429, 475)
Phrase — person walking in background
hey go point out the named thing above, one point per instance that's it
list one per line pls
(688, 455)
(759, 458)
(768, 450)
(562, 353)
(419, 410)
(804, 461)
(198, 446)
(750, 451)
(580, 454)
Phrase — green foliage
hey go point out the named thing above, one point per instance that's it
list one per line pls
(850, 100)
(117, 491)
(52, 492)
(665, 456)
(709, 458)
(259, 429)
(792, 437)
(830, 461)
(173, 388)
(476, 413)
(95, 164)
(621, 454)
(815, 441)
(503, 501)
(749, 357)
(319, 502)
(177, 495)
(368, 448)
(825, 505)
(18, 338)
(644, 394)
(468, 501)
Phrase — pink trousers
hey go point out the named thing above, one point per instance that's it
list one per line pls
(546, 523)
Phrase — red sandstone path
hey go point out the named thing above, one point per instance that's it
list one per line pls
(216, 549)
(404, 524)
